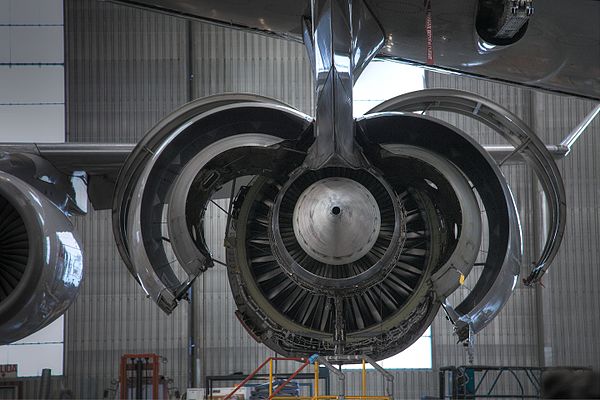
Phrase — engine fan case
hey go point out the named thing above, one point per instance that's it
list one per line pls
(42, 264)
(431, 169)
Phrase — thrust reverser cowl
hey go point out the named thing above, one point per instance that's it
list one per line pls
(41, 262)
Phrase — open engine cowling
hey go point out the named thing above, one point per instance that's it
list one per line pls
(334, 259)
(41, 262)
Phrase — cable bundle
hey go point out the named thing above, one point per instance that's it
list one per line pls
(261, 392)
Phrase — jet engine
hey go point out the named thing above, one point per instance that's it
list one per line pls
(333, 259)
(358, 261)
(351, 233)
(41, 263)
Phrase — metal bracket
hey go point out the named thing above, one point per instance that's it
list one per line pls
(523, 7)
(470, 346)
(517, 15)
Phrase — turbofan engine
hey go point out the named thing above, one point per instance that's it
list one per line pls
(41, 263)
(352, 232)
(358, 261)
(333, 259)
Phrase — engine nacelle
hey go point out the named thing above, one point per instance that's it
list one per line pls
(41, 262)
(337, 259)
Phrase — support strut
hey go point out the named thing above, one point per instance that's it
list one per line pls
(341, 38)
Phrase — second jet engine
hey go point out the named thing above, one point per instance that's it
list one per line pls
(41, 261)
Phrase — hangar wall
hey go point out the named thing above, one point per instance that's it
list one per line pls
(124, 71)
(571, 296)
(128, 68)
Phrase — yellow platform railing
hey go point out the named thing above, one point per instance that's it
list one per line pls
(316, 395)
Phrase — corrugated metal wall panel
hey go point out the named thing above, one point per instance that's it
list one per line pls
(229, 60)
(112, 316)
(408, 384)
(572, 294)
(126, 70)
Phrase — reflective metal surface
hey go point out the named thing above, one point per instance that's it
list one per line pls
(345, 36)
(147, 151)
(82, 171)
(358, 274)
(559, 50)
(192, 258)
(178, 148)
(67, 192)
(336, 221)
(515, 131)
(447, 278)
(41, 265)
(574, 135)
(503, 258)
(93, 158)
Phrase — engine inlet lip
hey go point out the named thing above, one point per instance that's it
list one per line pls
(343, 287)
(24, 206)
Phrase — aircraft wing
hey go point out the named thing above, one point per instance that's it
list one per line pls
(551, 44)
